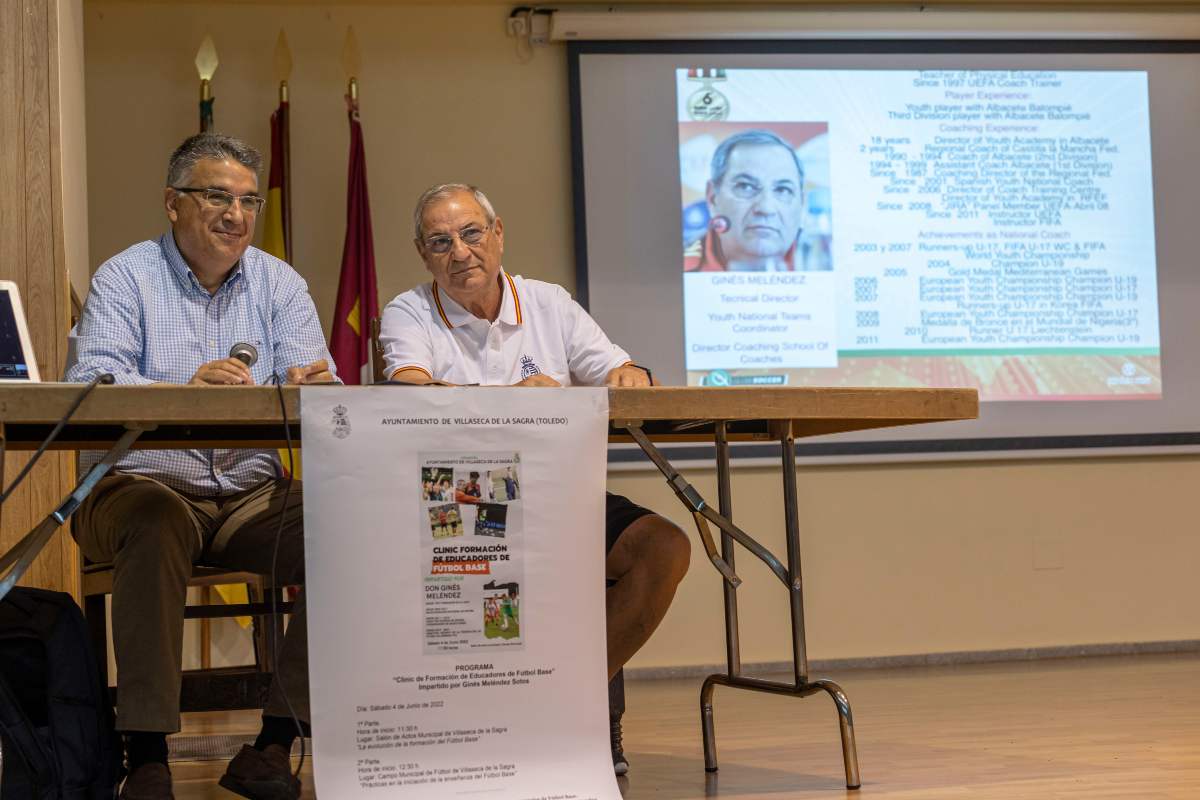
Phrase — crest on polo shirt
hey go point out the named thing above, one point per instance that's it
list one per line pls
(528, 368)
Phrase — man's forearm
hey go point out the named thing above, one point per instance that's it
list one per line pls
(416, 377)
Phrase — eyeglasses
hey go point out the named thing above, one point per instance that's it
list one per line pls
(469, 235)
(747, 189)
(222, 200)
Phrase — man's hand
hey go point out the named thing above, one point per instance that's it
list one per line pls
(316, 372)
(225, 372)
(538, 380)
(627, 375)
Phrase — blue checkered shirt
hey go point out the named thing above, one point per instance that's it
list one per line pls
(148, 320)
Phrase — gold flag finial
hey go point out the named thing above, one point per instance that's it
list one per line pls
(351, 61)
(283, 64)
(206, 59)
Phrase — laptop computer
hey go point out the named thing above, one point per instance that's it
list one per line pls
(17, 363)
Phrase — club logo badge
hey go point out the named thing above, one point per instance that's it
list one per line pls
(706, 104)
(528, 368)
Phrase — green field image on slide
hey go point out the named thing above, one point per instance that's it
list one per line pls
(493, 630)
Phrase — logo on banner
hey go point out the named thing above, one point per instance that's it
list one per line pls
(341, 422)
(528, 368)
(706, 104)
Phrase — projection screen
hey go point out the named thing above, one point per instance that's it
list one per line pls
(1014, 217)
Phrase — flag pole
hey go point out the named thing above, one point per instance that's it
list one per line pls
(206, 105)
(206, 67)
(357, 309)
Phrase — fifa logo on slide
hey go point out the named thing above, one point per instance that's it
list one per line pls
(706, 104)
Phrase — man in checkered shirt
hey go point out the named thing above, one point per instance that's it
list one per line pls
(168, 310)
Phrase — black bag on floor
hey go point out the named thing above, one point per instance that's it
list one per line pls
(56, 723)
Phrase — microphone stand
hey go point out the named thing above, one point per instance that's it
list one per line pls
(17, 560)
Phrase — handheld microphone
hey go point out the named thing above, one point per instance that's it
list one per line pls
(719, 224)
(245, 353)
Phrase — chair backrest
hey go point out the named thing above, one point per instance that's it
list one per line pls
(72, 348)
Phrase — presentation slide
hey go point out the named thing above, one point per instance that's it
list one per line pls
(979, 228)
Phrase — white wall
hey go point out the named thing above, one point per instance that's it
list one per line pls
(948, 557)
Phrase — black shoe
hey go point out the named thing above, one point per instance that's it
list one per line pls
(261, 774)
(620, 762)
(150, 781)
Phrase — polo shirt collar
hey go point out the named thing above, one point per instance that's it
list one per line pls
(180, 266)
(455, 316)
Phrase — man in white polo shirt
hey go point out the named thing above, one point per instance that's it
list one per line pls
(477, 324)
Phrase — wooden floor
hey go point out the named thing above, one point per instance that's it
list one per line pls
(1093, 728)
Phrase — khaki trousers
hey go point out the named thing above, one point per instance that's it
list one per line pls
(153, 535)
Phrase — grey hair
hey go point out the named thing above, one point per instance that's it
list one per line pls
(209, 145)
(445, 190)
(720, 159)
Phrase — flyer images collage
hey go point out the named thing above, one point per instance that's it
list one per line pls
(472, 554)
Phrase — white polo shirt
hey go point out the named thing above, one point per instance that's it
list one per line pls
(540, 329)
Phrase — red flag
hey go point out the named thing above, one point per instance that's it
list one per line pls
(357, 299)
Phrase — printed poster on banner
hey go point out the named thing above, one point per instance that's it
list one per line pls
(472, 550)
(454, 546)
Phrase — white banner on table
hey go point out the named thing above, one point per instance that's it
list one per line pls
(455, 573)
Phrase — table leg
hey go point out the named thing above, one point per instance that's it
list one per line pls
(845, 717)
(733, 649)
(790, 576)
(846, 727)
(795, 579)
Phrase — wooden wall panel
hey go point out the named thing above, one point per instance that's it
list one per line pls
(32, 252)
(12, 210)
(63, 471)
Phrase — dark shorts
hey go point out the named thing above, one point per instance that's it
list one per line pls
(619, 513)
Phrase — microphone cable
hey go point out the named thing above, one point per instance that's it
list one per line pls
(287, 432)
(105, 378)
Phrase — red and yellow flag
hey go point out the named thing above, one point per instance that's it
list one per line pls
(277, 222)
(357, 299)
